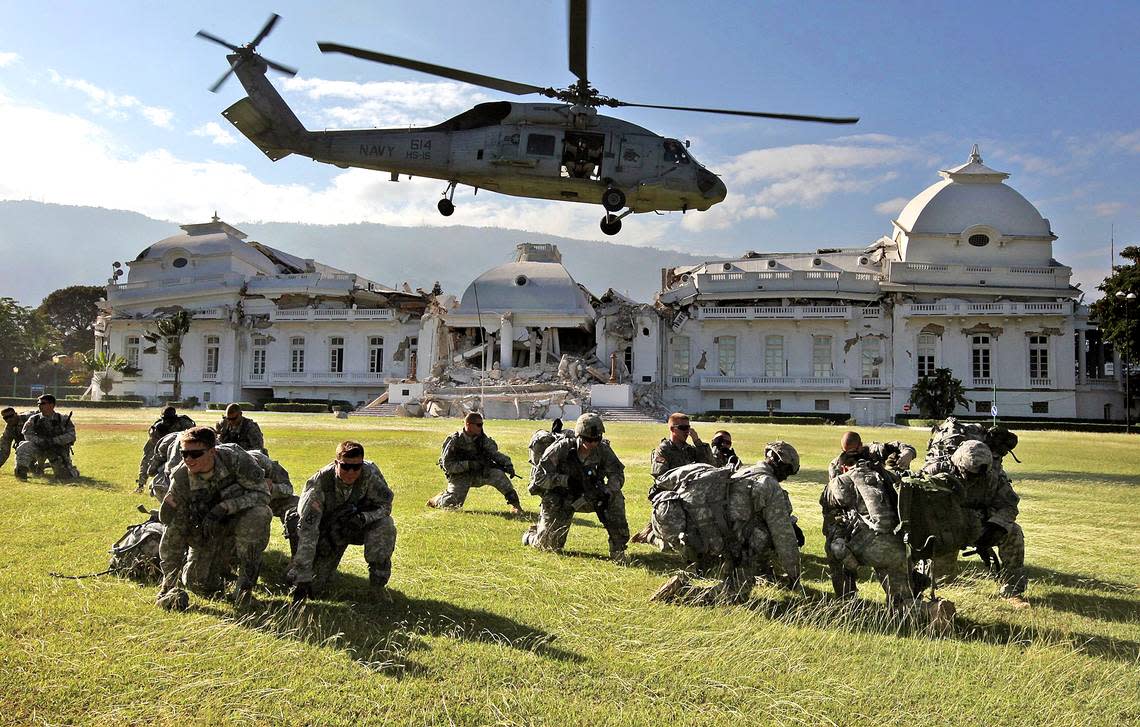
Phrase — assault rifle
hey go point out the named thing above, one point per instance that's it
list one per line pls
(988, 555)
(590, 489)
(488, 460)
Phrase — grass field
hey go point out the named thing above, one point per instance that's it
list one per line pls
(483, 631)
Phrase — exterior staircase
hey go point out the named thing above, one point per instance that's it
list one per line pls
(625, 414)
(376, 410)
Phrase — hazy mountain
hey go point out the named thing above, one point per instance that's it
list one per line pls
(48, 246)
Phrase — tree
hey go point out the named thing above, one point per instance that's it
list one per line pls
(1117, 317)
(166, 336)
(99, 366)
(72, 311)
(938, 395)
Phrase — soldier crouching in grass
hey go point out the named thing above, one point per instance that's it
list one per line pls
(347, 502)
(217, 505)
(472, 459)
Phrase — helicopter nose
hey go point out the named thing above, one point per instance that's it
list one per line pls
(711, 187)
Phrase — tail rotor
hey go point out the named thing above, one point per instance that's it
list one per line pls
(246, 52)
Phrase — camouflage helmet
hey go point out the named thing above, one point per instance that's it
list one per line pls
(972, 457)
(780, 452)
(1001, 441)
(590, 425)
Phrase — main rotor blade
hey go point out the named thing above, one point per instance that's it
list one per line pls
(278, 66)
(216, 39)
(579, 37)
(220, 81)
(759, 114)
(454, 74)
(264, 31)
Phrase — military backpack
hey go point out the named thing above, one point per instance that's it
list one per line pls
(136, 554)
(932, 515)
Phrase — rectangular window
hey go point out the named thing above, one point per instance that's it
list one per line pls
(773, 356)
(726, 355)
(213, 347)
(927, 350)
(773, 404)
(375, 354)
(980, 358)
(297, 355)
(336, 355)
(1039, 407)
(821, 355)
(982, 407)
(823, 404)
(540, 145)
(726, 404)
(1038, 357)
(131, 349)
(872, 357)
(680, 355)
(257, 356)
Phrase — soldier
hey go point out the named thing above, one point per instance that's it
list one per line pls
(163, 460)
(218, 505)
(673, 452)
(580, 473)
(896, 455)
(860, 518)
(723, 453)
(472, 459)
(171, 421)
(951, 433)
(992, 505)
(740, 532)
(347, 502)
(47, 437)
(13, 432)
(238, 429)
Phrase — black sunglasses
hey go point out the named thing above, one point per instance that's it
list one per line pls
(193, 453)
(681, 427)
(349, 466)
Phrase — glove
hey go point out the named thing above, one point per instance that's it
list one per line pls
(800, 540)
(991, 534)
(302, 592)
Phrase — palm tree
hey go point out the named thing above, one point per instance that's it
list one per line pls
(166, 334)
(99, 365)
(939, 394)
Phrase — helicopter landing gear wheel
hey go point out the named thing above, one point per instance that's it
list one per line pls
(613, 199)
(446, 207)
(611, 224)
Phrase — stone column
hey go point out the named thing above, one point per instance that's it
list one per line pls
(1080, 356)
(506, 342)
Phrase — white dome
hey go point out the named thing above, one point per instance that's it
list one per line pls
(972, 195)
(525, 287)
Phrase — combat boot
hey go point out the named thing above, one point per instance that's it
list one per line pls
(670, 589)
(643, 535)
(618, 555)
(243, 597)
(21, 472)
(528, 535)
(1018, 601)
(940, 614)
(175, 599)
(433, 501)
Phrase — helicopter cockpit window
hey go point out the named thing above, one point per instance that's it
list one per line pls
(484, 114)
(675, 152)
(540, 145)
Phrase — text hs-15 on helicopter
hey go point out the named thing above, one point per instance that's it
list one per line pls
(563, 151)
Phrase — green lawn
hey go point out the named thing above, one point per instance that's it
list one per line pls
(483, 631)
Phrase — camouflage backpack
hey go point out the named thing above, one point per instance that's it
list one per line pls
(946, 437)
(690, 509)
(932, 516)
(135, 555)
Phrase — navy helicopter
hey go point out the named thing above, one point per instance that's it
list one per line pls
(563, 150)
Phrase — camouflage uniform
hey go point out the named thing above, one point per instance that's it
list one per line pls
(166, 456)
(896, 456)
(990, 500)
(213, 516)
(860, 516)
(13, 435)
(281, 497)
(158, 430)
(554, 478)
(466, 462)
(724, 457)
(246, 435)
(665, 458)
(48, 439)
(736, 531)
(332, 515)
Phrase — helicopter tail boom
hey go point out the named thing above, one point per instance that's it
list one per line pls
(263, 117)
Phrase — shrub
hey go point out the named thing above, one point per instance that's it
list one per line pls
(294, 407)
(221, 405)
(85, 404)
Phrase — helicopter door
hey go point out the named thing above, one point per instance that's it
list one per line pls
(541, 150)
(633, 152)
(582, 154)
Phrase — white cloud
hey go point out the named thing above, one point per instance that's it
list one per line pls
(891, 206)
(1129, 142)
(8, 58)
(381, 103)
(1108, 209)
(116, 106)
(216, 133)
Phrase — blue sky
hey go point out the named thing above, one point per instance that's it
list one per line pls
(107, 104)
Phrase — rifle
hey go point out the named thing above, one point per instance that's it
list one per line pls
(334, 524)
(487, 459)
(988, 555)
(590, 489)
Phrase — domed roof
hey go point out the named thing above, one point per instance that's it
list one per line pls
(538, 287)
(969, 195)
(209, 238)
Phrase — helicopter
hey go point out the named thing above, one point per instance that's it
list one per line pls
(561, 150)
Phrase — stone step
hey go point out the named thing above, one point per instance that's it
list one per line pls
(381, 410)
(625, 414)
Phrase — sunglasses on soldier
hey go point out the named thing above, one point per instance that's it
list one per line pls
(193, 453)
(349, 466)
(681, 427)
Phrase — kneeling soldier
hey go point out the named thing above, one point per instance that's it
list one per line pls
(48, 437)
(217, 505)
(347, 502)
(472, 459)
(580, 474)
